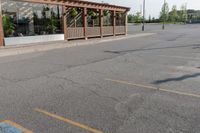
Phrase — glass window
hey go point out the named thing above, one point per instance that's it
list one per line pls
(47, 19)
(29, 19)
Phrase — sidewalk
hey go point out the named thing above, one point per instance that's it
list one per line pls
(39, 47)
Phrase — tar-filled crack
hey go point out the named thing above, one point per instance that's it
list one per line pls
(67, 67)
(77, 84)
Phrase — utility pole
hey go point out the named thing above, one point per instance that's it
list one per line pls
(143, 15)
(164, 17)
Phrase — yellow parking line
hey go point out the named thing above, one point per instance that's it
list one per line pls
(68, 121)
(180, 93)
(133, 84)
(17, 126)
(154, 88)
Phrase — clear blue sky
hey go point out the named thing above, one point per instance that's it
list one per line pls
(153, 7)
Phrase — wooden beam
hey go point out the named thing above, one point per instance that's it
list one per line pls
(82, 4)
(85, 22)
(1, 29)
(101, 22)
(64, 13)
(114, 22)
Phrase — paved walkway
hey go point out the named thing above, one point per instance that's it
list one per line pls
(38, 47)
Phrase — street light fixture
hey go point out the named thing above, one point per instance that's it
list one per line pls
(143, 15)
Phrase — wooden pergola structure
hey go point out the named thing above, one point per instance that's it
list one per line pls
(85, 31)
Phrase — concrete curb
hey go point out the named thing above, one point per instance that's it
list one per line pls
(39, 47)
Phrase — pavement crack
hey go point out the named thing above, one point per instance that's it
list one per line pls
(67, 79)
(91, 90)
(103, 96)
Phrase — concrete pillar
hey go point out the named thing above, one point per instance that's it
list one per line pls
(126, 23)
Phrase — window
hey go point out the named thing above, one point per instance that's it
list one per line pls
(29, 19)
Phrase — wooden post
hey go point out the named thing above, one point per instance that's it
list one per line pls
(114, 22)
(85, 22)
(101, 22)
(126, 23)
(1, 29)
(65, 22)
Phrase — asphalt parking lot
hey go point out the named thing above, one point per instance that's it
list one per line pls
(146, 84)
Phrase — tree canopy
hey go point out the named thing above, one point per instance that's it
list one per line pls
(170, 15)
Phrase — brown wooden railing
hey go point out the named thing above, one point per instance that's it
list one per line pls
(93, 31)
(107, 30)
(73, 33)
(120, 30)
(78, 32)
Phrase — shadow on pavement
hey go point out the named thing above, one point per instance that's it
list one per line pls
(184, 77)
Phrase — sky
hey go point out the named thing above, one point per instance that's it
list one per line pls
(153, 7)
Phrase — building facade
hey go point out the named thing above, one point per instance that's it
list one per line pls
(31, 21)
(193, 16)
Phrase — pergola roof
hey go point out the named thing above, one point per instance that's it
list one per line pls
(81, 3)
(103, 4)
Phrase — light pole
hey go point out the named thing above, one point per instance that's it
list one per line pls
(143, 15)
(164, 17)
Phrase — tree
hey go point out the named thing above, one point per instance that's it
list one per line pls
(164, 14)
(153, 19)
(130, 18)
(138, 18)
(150, 19)
(183, 13)
(173, 15)
(8, 25)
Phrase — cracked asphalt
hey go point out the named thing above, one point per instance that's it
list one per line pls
(71, 83)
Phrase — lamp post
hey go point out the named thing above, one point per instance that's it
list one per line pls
(164, 17)
(143, 15)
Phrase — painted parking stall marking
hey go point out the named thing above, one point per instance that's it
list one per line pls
(68, 121)
(8, 126)
(154, 88)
